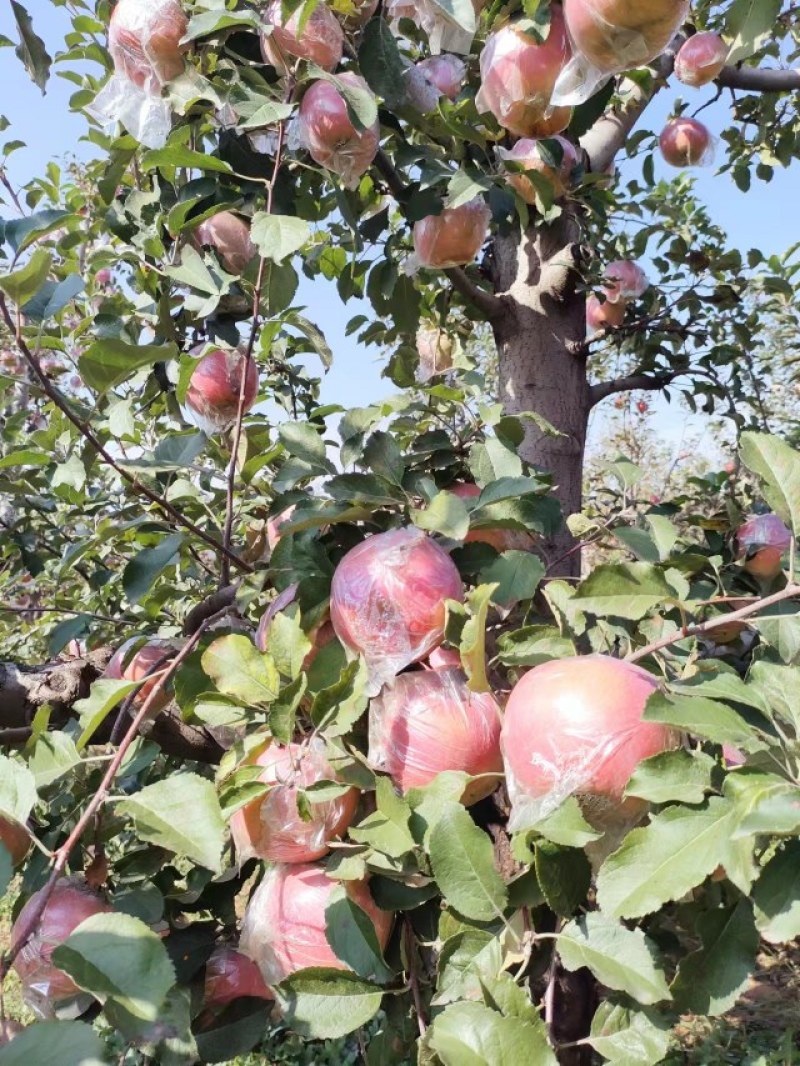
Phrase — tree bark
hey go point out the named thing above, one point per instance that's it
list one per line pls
(542, 364)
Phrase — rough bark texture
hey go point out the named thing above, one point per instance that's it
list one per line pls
(542, 365)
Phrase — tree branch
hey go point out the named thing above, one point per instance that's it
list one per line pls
(759, 81)
(487, 303)
(650, 382)
(87, 433)
(791, 591)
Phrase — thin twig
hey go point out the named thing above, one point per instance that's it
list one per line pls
(788, 593)
(411, 950)
(55, 397)
(61, 857)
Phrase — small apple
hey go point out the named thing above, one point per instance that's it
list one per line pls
(700, 59)
(212, 398)
(229, 236)
(321, 39)
(761, 542)
(454, 237)
(685, 142)
(144, 40)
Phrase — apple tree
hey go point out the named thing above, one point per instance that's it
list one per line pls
(315, 727)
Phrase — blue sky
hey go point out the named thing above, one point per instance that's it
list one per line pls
(765, 218)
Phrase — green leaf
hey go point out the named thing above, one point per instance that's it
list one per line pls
(533, 645)
(31, 49)
(625, 1037)
(566, 826)
(316, 337)
(287, 644)
(20, 233)
(776, 896)
(473, 638)
(516, 574)
(387, 830)
(303, 441)
(108, 362)
(710, 980)
(323, 1004)
(750, 24)
(178, 155)
(17, 789)
(213, 22)
(662, 861)
(239, 669)
(445, 514)
(351, 935)
(282, 713)
(622, 590)
(620, 958)
(773, 461)
(54, 756)
(182, 814)
(702, 718)
(564, 876)
(465, 186)
(463, 960)
(23, 284)
(278, 236)
(122, 963)
(462, 858)
(141, 572)
(471, 1034)
(104, 695)
(337, 709)
(381, 64)
(55, 1044)
(52, 298)
(680, 775)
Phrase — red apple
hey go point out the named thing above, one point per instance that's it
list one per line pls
(454, 237)
(500, 539)
(229, 236)
(326, 131)
(321, 40)
(603, 314)
(625, 280)
(442, 659)
(124, 666)
(574, 727)
(445, 72)
(617, 35)
(685, 142)
(761, 541)
(642, 407)
(103, 276)
(388, 600)
(231, 975)
(526, 153)
(212, 397)
(71, 902)
(144, 41)
(271, 827)
(700, 59)
(15, 838)
(518, 75)
(284, 924)
(435, 349)
(428, 721)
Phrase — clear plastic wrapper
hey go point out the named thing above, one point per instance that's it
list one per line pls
(132, 665)
(526, 153)
(452, 238)
(624, 281)
(231, 975)
(444, 33)
(144, 41)
(321, 39)
(574, 727)
(428, 721)
(612, 36)
(44, 986)
(435, 349)
(388, 600)
(271, 827)
(229, 236)
(761, 542)
(500, 539)
(212, 397)
(284, 924)
(700, 59)
(329, 135)
(518, 75)
(685, 142)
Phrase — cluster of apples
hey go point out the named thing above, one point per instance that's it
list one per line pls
(624, 281)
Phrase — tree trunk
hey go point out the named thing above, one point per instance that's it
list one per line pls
(542, 364)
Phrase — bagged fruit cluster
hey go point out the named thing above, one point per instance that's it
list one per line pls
(144, 39)
(445, 34)
(326, 130)
(611, 36)
(625, 281)
(388, 600)
(452, 238)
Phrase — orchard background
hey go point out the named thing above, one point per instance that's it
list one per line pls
(398, 733)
